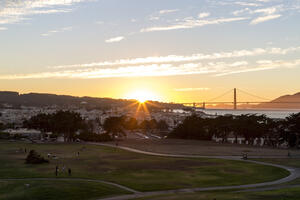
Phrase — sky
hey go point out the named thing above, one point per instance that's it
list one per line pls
(169, 50)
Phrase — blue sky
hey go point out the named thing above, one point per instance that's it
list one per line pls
(184, 50)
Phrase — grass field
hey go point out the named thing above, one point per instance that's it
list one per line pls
(282, 194)
(204, 148)
(292, 162)
(140, 172)
(54, 190)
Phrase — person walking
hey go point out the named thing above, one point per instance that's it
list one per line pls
(56, 170)
(69, 171)
(63, 168)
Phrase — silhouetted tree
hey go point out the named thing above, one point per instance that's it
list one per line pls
(162, 125)
(61, 122)
(193, 127)
(114, 126)
(293, 128)
(131, 124)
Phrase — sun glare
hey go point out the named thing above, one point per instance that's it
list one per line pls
(142, 96)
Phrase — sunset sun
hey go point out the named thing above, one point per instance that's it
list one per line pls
(142, 96)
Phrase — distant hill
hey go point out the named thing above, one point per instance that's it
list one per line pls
(41, 100)
(283, 102)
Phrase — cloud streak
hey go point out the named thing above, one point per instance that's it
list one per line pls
(61, 30)
(16, 11)
(264, 19)
(115, 39)
(158, 70)
(187, 58)
(189, 23)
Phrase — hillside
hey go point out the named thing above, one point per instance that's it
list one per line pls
(40, 100)
(283, 102)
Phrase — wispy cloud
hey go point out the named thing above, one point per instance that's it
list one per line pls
(251, 4)
(186, 58)
(157, 15)
(203, 15)
(16, 11)
(115, 39)
(190, 89)
(155, 70)
(190, 22)
(128, 71)
(266, 11)
(162, 12)
(263, 65)
(264, 19)
(61, 30)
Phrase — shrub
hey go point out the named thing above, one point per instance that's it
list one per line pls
(34, 158)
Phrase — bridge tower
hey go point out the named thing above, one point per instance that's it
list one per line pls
(234, 99)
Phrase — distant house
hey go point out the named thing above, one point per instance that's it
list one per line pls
(240, 140)
(31, 133)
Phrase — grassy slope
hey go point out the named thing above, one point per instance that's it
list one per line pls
(56, 190)
(282, 194)
(293, 162)
(140, 172)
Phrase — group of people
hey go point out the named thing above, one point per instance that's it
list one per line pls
(64, 167)
(50, 155)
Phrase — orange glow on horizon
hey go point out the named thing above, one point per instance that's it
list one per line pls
(142, 96)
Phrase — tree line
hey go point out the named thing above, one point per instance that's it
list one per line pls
(250, 126)
(117, 126)
(72, 126)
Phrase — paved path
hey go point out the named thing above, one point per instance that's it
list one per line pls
(72, 179)
(294, 173)
(270, 188)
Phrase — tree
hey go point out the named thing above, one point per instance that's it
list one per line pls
(2, 127)
(223, 126)
(293, 128)
(250, 126)
(68, 123)
(193, 127)
(114, 126)
(162, 125)
(131, 124)
(42, 122)
(61, 122)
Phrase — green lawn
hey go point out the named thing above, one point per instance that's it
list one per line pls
(56, 190)
(282, 194)
(292, 162)
(140, 172)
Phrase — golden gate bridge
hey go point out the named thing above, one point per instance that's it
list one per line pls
(235, 102)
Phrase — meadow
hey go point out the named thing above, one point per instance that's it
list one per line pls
(135, 171)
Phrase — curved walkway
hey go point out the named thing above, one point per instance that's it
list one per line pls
(72, 179)
(294, 173)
